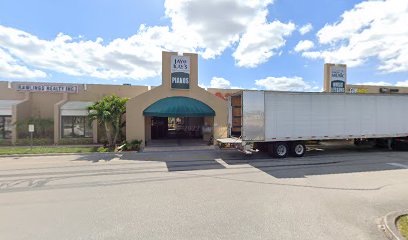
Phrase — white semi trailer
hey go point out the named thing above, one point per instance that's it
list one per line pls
(281, 122)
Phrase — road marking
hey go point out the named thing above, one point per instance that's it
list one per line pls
(220, 161)
(399, 165)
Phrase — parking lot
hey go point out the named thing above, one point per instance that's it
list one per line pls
(335, 192)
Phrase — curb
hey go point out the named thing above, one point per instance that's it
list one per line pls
(389, 225)
(56, 154)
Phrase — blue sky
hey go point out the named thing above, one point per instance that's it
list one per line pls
(240, 45)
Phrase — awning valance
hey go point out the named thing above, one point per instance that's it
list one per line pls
(6, 106)
(178, 107)
(75, 108)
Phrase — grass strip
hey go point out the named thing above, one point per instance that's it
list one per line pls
(402, 224)
(44, 150)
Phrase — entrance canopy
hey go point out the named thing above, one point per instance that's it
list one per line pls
(178, 107)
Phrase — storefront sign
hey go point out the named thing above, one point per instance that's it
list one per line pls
(389, 90)
(44, 87)
(338, 79)
(358, 90)
(180, 72)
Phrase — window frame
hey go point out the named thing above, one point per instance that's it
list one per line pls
(3, 132)
(86, 126)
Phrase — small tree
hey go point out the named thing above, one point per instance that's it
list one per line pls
(108, 112)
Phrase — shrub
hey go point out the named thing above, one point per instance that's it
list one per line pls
(75, 141)
(103, 149)
(134, 145)
(36, 141)
(43, 128)
(5, 142)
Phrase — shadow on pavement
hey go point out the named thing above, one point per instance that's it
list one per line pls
(96, 157)
(330, 158)
(193, 165)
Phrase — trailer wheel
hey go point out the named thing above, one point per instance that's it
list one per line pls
(298, 149)
(279, 149)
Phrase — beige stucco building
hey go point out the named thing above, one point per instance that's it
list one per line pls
(178, 108)
(59, 111)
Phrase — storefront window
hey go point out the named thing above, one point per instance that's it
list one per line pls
(76, 127)
(5, 127)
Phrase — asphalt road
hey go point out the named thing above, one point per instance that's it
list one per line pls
(333, 193)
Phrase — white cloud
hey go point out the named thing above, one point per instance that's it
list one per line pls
(402, 84)
(380, 83)
(372, 29)
(305, 29)
(206, 27)
(257, 45)
(219, 82)
(285, 84)
(10, 68)
(136, 57)
(383, 83)
(303, 45)
(214, 25)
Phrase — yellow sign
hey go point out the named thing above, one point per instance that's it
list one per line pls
(358, 90)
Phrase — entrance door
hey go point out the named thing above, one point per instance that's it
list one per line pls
(177, 127)
(159, 127)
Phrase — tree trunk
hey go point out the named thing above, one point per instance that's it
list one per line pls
(108, 135)
(117, 130)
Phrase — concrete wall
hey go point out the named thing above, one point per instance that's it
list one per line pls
(7, 93)
(95, 92)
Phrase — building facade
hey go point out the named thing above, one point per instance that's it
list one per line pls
(59, 111)
(178, 108)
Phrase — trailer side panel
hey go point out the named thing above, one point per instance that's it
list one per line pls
(308, 116)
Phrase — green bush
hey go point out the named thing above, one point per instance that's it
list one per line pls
(43, 128)
(134, 145)
(5, 142)
(103, 149)
(75, 141)
(36, 141)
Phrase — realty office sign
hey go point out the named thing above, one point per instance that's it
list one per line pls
(180, 72)
(47, 87)
(338, 79)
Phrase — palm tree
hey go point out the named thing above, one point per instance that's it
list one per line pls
(108, 112)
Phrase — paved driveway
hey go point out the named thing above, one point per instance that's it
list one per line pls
(330, 194)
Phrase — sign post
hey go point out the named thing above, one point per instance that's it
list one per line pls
(31, 131)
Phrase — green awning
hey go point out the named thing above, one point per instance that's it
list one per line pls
(178, 107)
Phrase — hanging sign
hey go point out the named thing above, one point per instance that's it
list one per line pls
(338, 79)
(180, 72)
